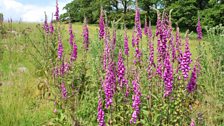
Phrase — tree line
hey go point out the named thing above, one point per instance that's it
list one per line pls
(185, 12)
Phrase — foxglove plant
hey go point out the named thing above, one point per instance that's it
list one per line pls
(60, 47)
(101, 26)
(71, 35)
(186, 59)
(138, 55)
(178, 45)
(100, 115)
(192, 123)
(46, 26)
(126, 47)
(168, 76)
(121, 70)
(193, 80)
(57, 12)
(85, 36)
(136, 99)
(63, 91)
(199, 29)
(138, 22)
(51, 27)
(74, 53)
(109, 84)
(133, 39)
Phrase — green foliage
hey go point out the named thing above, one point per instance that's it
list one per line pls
(213, 16)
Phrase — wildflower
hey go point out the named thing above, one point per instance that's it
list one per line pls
(178, 45)
(64, 68)
(136, 99)
(151, 59)
(85, 36)
(138, 55)
(101, 25)
(126, 48)
(109, 83)
(63, 91)
(106, 53)
(71, 35)
(46, 27)
(138, 22)
(192, 123)
(133, 39)
(100, 115)
(60, 47)
(168, 76)
(186, 59)
(193, 80)
(74, 52)
(57, 11)
(199, 29)
(51, 28)
(121, 70)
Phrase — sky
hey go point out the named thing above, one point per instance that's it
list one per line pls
(30, 10)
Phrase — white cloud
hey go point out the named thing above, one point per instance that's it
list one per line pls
(28, 12)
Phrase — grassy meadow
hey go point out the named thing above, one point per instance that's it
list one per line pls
(23, 101)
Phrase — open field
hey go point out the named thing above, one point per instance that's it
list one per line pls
(23, 102)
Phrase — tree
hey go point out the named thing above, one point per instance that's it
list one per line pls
(146, 6)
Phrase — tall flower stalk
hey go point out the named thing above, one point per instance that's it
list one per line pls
(186, 59)
(85, 35)
(199, 29)
(60, 47)
(57, 12)
(100, 115)
(138, 21)
(101, 25)
(136, 99)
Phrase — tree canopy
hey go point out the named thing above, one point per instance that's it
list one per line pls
(185, 12)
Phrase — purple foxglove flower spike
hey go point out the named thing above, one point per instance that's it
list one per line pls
(199, 29)
(100, 115)
(85, 36)
(101, 25)
(138, 23)
(51, 28)
(168, 76)
(133, 39)
(186, 59)
(192, 123)
(138, 55)
(60, 47)
(151, 59)
(63, 91)
(57, 12)
(71, 35)
(109, 83)
(74, 53)
(46, 27)
(126, 48)
(193, 80)
(136, 99)
(121, 70)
